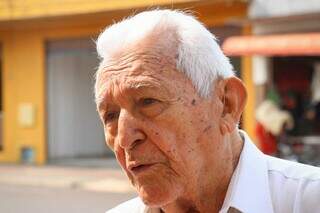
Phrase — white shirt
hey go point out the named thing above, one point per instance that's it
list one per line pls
(261, 184)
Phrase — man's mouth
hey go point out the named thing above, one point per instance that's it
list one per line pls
(140, 168)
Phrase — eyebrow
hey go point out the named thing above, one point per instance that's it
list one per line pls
(135, 86)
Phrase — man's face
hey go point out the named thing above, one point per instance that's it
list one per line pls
(162, 133)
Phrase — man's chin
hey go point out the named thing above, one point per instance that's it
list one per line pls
(157, 196)
(154, 200)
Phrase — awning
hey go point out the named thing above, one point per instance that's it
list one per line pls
(273, 45)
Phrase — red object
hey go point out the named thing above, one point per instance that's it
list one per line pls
(268, 143)
(271, 45)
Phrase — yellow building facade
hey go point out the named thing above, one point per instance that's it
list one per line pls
(25, 29)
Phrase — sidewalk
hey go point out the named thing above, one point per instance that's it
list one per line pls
(86, 175)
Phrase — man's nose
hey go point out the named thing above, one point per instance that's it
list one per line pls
(130, 131)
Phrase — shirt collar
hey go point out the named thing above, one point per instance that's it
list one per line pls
(248, 190)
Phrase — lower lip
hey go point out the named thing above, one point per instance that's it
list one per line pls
(141, 169)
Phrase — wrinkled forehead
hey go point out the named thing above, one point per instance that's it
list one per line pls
(153, 57)
(139, 68)
(137, 62)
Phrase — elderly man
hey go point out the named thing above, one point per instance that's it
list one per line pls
(170, 106)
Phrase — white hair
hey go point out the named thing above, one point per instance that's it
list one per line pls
(198, 54)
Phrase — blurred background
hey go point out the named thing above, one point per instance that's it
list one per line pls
(52, 152)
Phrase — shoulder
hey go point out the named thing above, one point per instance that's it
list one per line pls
(292, 170)
(134, 205)
(294, 187)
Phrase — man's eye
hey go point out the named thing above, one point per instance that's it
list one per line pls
(110, 116)
(147, 101)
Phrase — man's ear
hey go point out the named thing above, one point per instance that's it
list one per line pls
(233, 97)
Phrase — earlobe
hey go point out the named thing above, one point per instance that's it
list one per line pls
(233, 100)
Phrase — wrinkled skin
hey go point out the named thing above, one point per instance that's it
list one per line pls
(178, 149)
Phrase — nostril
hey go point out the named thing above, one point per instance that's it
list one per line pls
(129, 140)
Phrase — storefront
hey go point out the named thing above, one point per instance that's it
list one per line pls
(285, 63)
(47, 61)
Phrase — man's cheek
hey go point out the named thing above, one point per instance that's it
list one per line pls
(110, 140)
(120, 155)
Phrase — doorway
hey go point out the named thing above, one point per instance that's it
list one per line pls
(73, 126)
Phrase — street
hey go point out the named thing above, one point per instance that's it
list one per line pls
(76, 186)
(25, 199)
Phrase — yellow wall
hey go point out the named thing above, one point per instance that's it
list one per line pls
(248, 115)
(24, 9)
(24, 71)
(23, 82)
